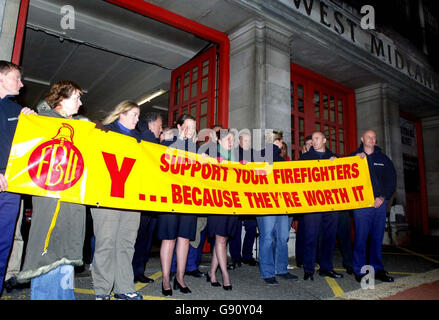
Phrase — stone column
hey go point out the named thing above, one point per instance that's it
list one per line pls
(378, 109)
(260, 78)
(9, 24)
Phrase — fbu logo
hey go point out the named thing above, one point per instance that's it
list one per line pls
(57, 164)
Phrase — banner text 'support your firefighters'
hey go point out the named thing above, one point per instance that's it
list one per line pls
(74, 161)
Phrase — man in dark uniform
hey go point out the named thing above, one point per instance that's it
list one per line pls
(150, 129)
(244, 154)
(370, 222)
(10, 85)
(299, 217)
(314, 222)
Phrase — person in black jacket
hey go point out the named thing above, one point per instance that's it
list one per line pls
(244, 154)
(150, 129)
(176, 230)
(313, 221)
(370, 222)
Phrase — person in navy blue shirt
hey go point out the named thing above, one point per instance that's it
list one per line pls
(150, 129)
(314, 222)
(245, 254)
(370, 222)
(10, 85)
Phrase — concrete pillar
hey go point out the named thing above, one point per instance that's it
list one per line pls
(9, 24)
(260, 78)
(430, 132)
(378, 109)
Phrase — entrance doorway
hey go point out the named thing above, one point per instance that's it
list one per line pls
(414, 174)
(193, 88)
(117, 50)
(319, 104)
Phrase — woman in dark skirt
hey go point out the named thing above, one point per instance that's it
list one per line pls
(177, 228)
(222, 226)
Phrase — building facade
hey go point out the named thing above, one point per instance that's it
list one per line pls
(339, 67)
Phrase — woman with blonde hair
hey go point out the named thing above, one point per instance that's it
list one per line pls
(116, 230)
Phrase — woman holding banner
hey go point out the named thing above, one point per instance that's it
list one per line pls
(177, 228)
(116, 230)
(56, 236)
(222, 226)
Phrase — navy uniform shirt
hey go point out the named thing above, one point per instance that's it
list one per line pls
(382, 172)
(9, 112)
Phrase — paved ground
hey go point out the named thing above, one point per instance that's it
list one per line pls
(412, 267)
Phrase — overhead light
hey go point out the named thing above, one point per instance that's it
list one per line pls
(42, 82)
(37, 81)
(160, 108)
(150, 96)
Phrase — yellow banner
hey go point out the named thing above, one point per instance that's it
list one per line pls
(74, 161)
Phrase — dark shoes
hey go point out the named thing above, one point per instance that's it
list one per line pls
(196, 273)
(383, 276)
(213, 284)
(12, 284)
(166, 292)
(308, 276)
(287, 276)
(349, 270)
(182, 289)
(331, 274)
(271, 281)
(234, 265)
(358, 277)
(141, 278)
(251, 262)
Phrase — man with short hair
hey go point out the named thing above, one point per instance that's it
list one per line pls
(314, 222)
(244, 154)
(150, 129)
(307, 144)
(10, 85)
(370, 222)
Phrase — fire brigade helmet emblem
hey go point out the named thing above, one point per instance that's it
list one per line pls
(57, 164)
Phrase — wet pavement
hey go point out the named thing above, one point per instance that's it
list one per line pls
(414, 266)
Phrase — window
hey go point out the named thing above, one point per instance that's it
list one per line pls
(319, 104)
(193, 89)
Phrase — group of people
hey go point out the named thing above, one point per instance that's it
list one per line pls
(123, 237)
